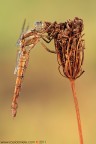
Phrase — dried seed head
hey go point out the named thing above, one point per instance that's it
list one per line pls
(70, 48)
(69, 45)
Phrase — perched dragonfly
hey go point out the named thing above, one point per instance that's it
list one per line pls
(27, 40)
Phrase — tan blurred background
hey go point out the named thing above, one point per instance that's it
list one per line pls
(46, 108)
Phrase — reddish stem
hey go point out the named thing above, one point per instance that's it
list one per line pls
(77, 110)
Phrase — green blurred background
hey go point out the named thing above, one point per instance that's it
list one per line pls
(46, 108)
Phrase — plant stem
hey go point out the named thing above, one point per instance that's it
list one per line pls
(77, 110)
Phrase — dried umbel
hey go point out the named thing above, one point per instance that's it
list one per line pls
(69, 46)
(71, 49)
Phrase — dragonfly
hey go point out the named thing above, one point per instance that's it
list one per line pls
(27, 40)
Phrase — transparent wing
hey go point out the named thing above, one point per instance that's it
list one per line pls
(18, 44)
(22, 31)
(17, 61)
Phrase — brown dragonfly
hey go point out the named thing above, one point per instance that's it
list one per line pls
(27, 40)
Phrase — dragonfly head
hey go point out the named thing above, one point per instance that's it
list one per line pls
(38, 25)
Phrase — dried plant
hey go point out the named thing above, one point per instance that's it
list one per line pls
(69, 47)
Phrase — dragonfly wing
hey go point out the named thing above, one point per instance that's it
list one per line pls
(22, 31)
(17, 61)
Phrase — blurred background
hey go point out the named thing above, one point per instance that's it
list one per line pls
(46, 107)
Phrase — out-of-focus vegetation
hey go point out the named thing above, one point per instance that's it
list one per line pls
(46, 109)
